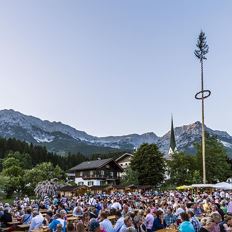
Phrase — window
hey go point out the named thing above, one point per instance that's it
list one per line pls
(90, 183)
(81, 173)
(102, 182)
(80, 183)
(91, 173)
(111, 174)
(102, 172)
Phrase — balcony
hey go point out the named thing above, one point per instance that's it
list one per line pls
(101, 177)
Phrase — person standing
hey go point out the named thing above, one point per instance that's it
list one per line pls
(149, 220)
(105, 223)
(207, 224)
(186, 225)
(119, 222)
(229, 206)
(196, 224)
(159, 222)
(169, 218)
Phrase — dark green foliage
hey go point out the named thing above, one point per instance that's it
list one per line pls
(131, 177)
(202, 47)
(33, 155)
(182, 169)
(187, 169)
(217, 166)
(149, 163)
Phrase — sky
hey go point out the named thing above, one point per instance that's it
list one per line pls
(114, 67)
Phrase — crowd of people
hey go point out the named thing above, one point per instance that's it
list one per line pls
(124, 212)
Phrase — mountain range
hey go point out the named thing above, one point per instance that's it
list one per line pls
(60, 138)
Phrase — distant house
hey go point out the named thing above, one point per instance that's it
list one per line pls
(124, 162)
(96, 173)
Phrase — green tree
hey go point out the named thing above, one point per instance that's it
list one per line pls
(149, 163)
(217, 166)
(42, 172)
(182, 165)
(131, 177)
(4, 182)
(13, 173)
(24, 159)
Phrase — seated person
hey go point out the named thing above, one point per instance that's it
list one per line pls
(59, 219)
(77, 211)
(26, 218)
(5, 218)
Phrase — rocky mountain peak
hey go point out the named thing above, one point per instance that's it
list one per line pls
(62, 138)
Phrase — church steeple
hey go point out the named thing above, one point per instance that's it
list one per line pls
(172, 147)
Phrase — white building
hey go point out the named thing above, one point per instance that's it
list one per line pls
(124, 161)
(96, 173)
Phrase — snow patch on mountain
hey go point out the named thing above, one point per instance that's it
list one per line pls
(58, 136)
(43, 140)
(226, 144)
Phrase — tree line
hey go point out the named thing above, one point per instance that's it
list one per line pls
(149, 167)
(39, 154)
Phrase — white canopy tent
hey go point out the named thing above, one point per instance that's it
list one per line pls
(202, 185)
(223, 185)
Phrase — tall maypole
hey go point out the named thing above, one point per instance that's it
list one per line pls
(200, 53)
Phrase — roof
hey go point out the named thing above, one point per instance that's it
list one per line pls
(93, 164)
(69, 188)
(122, 156)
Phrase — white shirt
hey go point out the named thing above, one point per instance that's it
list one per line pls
(36, 222)
(119, 224)
(116, 205)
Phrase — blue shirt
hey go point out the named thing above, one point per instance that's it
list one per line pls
(186, 226)
(52, 226)
(157, 224)
(169, 219)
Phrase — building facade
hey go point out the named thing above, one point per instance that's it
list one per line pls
(124, 162)
(96, 173)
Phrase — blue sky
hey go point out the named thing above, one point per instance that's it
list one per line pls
(115, 67)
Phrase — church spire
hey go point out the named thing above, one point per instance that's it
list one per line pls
(172, 148)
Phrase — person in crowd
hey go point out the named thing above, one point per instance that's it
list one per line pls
(229, 206)
(169, 217)
(127, 224)
(59, 219)
(1, 210)
(186, 225)
(48, 218)
(36, 221)
(149, 220)
(77, 211)
(105, 223)
(159, 222)
(94, 226)
(226, 225)
(26, 218)
(6, 217)
(207, 224)
(138, 224)
(216, 217)
(195, 222)
(119, 221)
(116, 205)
